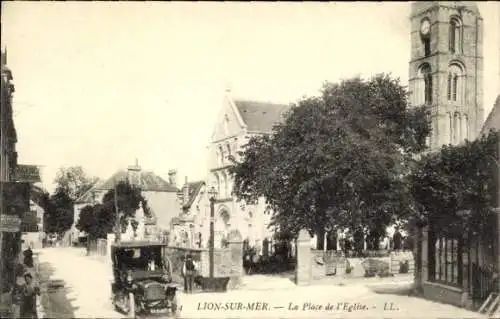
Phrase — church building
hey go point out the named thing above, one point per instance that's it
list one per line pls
(446, 74)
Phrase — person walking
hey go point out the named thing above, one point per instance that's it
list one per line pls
(28, 259)
(188, 271)
(17, 297)
(28, 304)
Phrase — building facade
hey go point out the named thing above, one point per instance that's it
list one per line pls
(446, 74)
(161, 196)
(237, 122)
(14, 197)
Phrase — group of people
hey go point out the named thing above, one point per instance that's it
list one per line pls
(25, 290)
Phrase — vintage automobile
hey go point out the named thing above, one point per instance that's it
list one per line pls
(142, 284)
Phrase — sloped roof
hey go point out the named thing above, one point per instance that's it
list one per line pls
(260, 116)
(149, 182)
(194, 189)
(493, 119)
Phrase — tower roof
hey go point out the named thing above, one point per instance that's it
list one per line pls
(418, 7)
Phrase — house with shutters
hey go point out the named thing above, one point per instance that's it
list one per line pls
(236, 123)
(161, 195)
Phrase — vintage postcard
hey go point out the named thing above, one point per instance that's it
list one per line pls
(250, 159)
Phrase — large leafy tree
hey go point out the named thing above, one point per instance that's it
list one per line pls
(100, 219)
(456, 188)
(338, 160)
(74, 181)
(58, 217)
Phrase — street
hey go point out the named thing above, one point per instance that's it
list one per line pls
(77, 286)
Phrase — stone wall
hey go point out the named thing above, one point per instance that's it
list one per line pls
(224, 263)
(334, 263)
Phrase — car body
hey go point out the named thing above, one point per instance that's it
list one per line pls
(142, 282)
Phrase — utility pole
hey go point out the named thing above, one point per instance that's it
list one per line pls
(118, 217)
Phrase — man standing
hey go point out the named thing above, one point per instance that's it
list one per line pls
(30, 291)
(28, 259)
(397, 239)
(188, 271)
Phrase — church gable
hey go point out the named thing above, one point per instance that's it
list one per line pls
(229, 122)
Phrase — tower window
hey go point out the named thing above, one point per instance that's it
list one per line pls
(455, 85)
(427, 46)
(428, 87)
(455, 35)
(424, 85)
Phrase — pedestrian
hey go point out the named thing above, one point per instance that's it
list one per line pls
(28, 259)
(397, 239)
(188, 271)
(17, 296)
(28, 304)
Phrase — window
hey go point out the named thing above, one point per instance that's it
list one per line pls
(427, 46)
(424, 85)
(455, 83)
(221, 152)
(455, 35)
(445, 260)
(226, 125)
(228, 151)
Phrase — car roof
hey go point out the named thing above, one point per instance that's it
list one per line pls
(138, 244)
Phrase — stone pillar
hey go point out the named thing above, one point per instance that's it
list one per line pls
(303, 268)
(110, 240)
(235, 244)
(425, 254)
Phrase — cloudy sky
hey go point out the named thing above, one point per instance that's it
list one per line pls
(99, 84)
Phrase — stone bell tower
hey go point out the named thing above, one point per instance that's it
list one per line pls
(446, 68)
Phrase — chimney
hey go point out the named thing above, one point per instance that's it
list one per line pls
(172, 177)
(134, 174)
(185, 190)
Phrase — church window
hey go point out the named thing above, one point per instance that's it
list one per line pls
(455, 35)
(427, 76)
(455, 83)
(221, 157)
(217, 182)
(423, 85)
(226, 125)
(228, 146)
(427, 46)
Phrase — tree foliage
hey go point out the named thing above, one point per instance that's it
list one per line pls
(338, 160)
(74, 181)
(58, 208)
(100, 219)
(456, 188)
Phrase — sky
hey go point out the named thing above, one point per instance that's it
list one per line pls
(99, 84)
